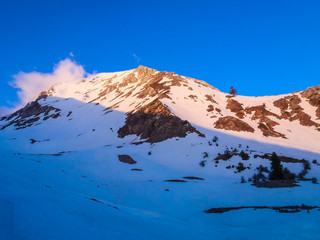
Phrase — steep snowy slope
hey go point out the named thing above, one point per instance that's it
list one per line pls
(141, 154)
(143, 93)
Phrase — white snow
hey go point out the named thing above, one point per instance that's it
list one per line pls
(85, 192)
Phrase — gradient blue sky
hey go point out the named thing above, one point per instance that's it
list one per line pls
(259, 47)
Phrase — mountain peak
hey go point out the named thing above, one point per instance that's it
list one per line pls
(143, 71)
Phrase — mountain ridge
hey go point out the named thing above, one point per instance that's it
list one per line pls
(121, 151)
(145, 94)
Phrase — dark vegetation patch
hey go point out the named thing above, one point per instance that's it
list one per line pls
(98, 201)
(229, 154)
(278, 176)
(137, 143)
(224, 156)
(280, 209)
(175, 180)
(126, 159)
(282, 158)
(193, 178)
(38, 141)
(93, 199)
(276, 184)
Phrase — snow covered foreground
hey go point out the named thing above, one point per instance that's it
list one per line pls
(91, 194)
(62, 179)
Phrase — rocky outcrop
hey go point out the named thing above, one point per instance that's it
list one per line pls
(155, 123)
(235, 107)
(233, 124)
(259, 112)
(25, 117)
(210, 99)
(266, 125)
(126, 159)
(313, 94)
(291, 110)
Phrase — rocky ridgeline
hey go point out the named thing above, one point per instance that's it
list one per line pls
(152, 120)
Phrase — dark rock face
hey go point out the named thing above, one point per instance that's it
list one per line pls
(234, 124)
(126, 159)
(313, 94)
(32, 109)
(291, 110)
(235, 107)
(266, 125)
(155, 123)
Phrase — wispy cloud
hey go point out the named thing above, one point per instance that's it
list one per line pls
(137, 58)
(29, 85)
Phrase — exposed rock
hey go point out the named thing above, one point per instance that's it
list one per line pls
(126, 159)
(144, 72)
(232, 123)
(46, 93)
(156, 123)
(203, 83)
(313, 94)
(266, 125)
(291, 110)
(131, 78)
(21, 118)
(235, 107)
(194, 97)
(210, 108)
(259, 112)
(154, 87)
(210, 99)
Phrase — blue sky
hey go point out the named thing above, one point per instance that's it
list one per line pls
(259, 47)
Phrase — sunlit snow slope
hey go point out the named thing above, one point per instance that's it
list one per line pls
(93, 160)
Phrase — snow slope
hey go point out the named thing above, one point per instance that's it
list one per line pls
(61, 178)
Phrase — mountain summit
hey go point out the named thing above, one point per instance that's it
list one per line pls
(157, 105)
(144, 154)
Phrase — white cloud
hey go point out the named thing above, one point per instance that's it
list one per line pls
(5, 111)
(29, 85)
(137, 58)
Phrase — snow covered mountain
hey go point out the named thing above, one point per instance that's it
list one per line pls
(141, 154)
(131, 102)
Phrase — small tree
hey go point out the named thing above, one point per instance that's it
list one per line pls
(244, 156)
(202, 163)
(276, 168)
(233, 91)
(243, 180)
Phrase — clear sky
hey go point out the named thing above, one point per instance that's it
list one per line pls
(261, 47)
